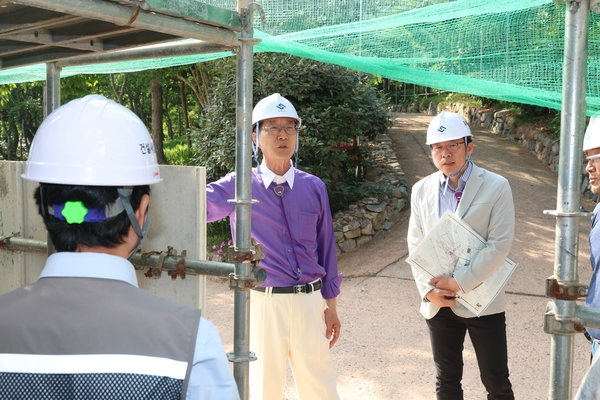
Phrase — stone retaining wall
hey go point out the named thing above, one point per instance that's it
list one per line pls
(371, 217)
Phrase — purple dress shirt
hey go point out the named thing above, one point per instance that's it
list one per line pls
(304, 252)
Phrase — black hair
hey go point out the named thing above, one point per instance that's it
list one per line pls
(67, 237)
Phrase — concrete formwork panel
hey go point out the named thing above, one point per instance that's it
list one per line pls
(19, 216)
(177, 219)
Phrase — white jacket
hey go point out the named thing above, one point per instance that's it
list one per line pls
(487, 206)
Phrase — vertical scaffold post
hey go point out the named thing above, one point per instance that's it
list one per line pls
(243, 199)
(51, 103)
(568, 196)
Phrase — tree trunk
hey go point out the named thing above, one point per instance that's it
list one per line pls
(157, 126)
(200, 84)
(168, 120)
(118, 92)
(186, 119)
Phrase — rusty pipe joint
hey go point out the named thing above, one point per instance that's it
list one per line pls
(252, 256)
(565, 290)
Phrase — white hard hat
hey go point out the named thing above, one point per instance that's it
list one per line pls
(274, 106)
(447, 126)
(591, 140)
(92, 141)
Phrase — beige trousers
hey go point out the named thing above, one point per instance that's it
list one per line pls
(290, 327)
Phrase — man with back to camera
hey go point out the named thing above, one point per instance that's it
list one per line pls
(293, 315)
(484, 201)
(85, 330)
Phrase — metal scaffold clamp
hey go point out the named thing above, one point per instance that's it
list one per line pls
(234, 358)
(555, 325)
(155, 272)
(565, 290)
(257, 275)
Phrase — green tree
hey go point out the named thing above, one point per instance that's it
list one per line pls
(21, 114)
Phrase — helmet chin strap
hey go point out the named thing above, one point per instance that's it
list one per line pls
(140, 232)
(468, 159)
(255, 148)
(297, 150)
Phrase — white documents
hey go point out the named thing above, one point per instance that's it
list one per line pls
(450, 246)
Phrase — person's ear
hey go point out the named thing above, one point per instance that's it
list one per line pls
(142, 210)
(470, 148)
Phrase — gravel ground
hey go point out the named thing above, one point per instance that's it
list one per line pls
(384, 351)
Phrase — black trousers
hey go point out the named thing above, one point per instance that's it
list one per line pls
(488, 335)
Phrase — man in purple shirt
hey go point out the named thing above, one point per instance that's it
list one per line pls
(293, 315)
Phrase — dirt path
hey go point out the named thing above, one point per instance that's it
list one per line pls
(384, 351)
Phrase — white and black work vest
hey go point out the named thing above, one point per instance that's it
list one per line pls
(90, 338)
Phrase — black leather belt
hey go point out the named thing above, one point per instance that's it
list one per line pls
(306, 288)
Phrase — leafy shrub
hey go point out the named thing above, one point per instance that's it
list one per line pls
(178, 153)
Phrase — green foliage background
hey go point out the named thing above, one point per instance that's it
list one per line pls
(336, 105)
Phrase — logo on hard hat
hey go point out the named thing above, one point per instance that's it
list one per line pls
(280, 106)
(146, 148)
(441, 129)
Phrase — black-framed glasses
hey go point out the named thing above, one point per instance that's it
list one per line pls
(276, 129)
(451, 147)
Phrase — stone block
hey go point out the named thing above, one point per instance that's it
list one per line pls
(377, 208)
(351, 226)
(363, 240)
(354, 233)
(347, 245)
(366, 227)
(378, 221)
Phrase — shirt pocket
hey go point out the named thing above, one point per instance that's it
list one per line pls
(307, 226)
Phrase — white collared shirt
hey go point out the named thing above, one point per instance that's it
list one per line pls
(268, 176)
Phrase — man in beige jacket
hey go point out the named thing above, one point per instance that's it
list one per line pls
(484, 201)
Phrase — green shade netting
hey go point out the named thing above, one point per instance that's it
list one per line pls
(508, 50)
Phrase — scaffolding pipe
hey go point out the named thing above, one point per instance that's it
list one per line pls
(587, 316)
(145, 260)
(51, 103)
(568, 196)
(243, 202)
(147, 52)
